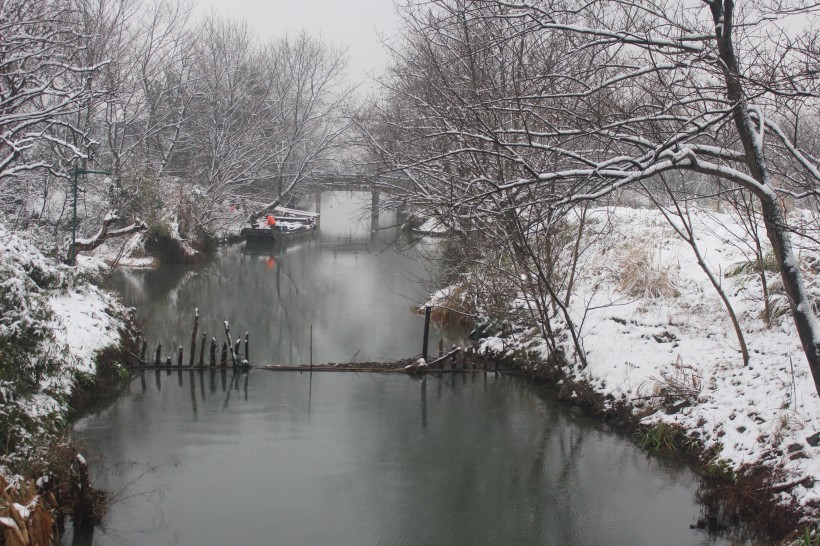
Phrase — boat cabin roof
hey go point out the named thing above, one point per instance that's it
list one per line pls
(295, 212)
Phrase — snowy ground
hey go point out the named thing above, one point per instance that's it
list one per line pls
(682, 341)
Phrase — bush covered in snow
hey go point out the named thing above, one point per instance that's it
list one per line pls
(53, 323)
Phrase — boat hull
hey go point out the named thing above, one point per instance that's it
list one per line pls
(271, 236)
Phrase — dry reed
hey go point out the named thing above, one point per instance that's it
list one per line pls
(24, 516)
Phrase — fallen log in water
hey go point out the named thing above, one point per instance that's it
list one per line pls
(385, 367)
(441, 359)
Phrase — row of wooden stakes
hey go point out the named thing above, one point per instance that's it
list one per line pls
(230, 349)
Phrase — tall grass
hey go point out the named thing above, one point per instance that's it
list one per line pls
(640, 274)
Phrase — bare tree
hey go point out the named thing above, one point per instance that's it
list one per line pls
(314, 105)
(604, 95)
(42, 73)
(147, 101)
(264, 118)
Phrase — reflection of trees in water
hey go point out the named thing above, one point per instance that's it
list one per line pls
(495, 461)
(495, 452)
(472, 437)
(335, 282)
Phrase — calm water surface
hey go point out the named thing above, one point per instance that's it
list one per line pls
(287, 458)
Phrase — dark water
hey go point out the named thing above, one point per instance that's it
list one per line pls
(286, 458)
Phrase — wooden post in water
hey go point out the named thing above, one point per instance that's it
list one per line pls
(224, 360)
(82, 494)
(247, 352)
(440, 347)
(158, 357)
(143, 350)
(193, 337)
(179, 357)
(202, 349)
(426, 332)
(454, 362)
(169, 364)
(311, 347)
(230, 344)
(318, 208)
(236, 347)
(213, 352)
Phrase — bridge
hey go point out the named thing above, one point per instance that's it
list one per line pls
(351, 182)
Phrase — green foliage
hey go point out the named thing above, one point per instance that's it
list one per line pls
(718, 469)
(810, 537)
(96, 390)
(24, 318)
(662, 438)
(752, 267)
(157, 232)
(158, 241)
(206, 240)
(192, 248)
(137, 193)
(25, 436)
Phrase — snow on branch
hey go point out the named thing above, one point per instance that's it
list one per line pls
(104, 234)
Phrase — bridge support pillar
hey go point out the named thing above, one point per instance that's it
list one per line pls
(374, 210)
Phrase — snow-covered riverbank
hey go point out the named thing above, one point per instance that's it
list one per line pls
(656, 335)
(54, 323)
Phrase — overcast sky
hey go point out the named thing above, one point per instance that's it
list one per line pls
(355, 24)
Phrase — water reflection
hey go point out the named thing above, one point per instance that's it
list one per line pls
(287, 458)
(352, 285)
(319, 458)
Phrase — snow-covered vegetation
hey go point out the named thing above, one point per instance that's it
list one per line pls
(521, 126)
(193, 119)
(54, 324)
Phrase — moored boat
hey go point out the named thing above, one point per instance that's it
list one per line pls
(283, 225)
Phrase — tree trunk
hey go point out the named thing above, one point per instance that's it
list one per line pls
(104, 234)
(774, 218)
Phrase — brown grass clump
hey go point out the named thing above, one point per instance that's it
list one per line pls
(641, 276)
(24, 516)
(455, 309)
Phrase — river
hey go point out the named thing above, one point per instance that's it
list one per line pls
(198, 458)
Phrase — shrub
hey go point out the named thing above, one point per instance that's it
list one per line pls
(206, 240)
(662, 438)
(752, 267)
(810, 537)
(640, 275)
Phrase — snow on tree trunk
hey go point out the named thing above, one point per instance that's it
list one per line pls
(774, 218)
(103, 234)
